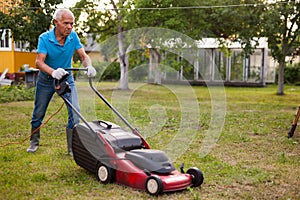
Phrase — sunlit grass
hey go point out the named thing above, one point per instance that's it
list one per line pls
(252, 158)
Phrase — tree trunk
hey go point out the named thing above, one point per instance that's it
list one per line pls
(154, 71)
(280, 79)
(123, 57)
(123, 85)
(284, 51)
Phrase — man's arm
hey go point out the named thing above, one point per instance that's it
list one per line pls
(41, 65)
(85, 59)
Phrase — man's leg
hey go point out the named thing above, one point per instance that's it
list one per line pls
(69, 132)
(43, 95)
(73, 118)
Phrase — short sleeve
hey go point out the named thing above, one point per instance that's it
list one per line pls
(42, 48)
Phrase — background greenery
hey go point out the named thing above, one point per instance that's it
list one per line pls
(107, 71)
(253, 158)
(292, 74)
(16, 93)
(235, 20)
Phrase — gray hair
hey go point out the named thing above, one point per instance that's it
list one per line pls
(59, 12)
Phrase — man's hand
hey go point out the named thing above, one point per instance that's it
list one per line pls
(91, 72)
(58, 73)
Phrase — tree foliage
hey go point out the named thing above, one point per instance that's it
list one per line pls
(194, 18)
(28, 20)
(281, 27)
(237, 20)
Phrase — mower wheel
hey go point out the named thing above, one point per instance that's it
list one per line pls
(197, 176)
(154, 185)
(105, 174)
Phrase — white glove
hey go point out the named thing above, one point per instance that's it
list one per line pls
(59, 73)
(91, 72)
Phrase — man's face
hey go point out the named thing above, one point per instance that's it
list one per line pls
(64, 25)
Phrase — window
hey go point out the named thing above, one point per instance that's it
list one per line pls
(21, 46)
(219, 65)
(237, 65)
(5, 40)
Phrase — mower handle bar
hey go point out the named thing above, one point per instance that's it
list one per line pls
(134, 130)
(102, 97)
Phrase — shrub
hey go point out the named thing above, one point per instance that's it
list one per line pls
(291, 74)
(16, 93)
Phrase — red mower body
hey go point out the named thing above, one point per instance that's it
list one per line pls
(130, 175)
(116, 155)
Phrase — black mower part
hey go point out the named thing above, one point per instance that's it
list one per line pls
(61, 86)
(197, 175)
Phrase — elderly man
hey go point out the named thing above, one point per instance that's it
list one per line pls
(54, 54)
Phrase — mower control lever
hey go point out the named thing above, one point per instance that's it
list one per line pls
(61, 85)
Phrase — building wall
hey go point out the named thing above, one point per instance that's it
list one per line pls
(14, 60)
(96, 56)
(22, 58)
(7, 61)
(11, 57)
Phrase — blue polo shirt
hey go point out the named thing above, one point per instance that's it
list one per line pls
(58, 56)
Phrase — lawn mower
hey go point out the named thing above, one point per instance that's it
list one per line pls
(115, 154)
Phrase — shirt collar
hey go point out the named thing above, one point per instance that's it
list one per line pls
(53, 39)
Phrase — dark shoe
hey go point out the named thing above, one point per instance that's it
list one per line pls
(34, 141)
(32, 148)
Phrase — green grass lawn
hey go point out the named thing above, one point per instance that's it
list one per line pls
(249, 157)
